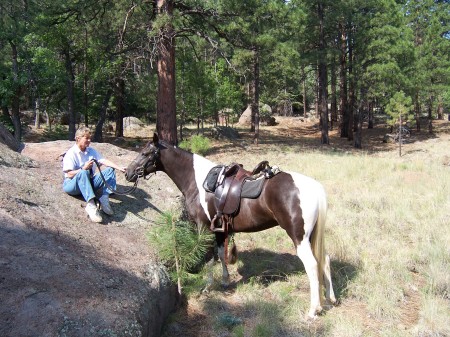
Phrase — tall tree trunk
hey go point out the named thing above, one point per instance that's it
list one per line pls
(183, 110)
(322, 85)
(166, 120)
(351, 93)
(305, 103)
(333, 112)
(430, 114)
(343, 111)
(37, 113)
(98, 134)
(440, 108)
(316, 95)
(417, 110)
(85, 79)
(359, 120)
(15, 102)
(255, 94)
(120, 105)
(370, 115)
(70, 93)
(8, 139)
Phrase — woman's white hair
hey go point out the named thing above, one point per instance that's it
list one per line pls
(82, 131)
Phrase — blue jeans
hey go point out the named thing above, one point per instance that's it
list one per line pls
(82, 183)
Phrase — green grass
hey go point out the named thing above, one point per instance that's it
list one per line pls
(388, 234)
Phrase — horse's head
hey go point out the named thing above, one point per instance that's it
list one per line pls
(146, 162)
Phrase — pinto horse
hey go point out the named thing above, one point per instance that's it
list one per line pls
(290, 200)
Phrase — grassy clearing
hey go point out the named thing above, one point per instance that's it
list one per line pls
(388, 234)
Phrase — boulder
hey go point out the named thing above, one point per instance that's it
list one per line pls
(220, 132)
(127, 121)
(246, 117)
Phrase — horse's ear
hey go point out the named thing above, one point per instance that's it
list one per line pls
(155, 138)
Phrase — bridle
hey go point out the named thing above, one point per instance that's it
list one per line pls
(140, 170)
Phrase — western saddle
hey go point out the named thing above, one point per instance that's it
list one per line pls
(227, 194)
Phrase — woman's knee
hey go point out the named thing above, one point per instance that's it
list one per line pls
(109, 172)
(83, 174)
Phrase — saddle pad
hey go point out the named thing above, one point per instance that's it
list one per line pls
(210, 183)
(252, 188)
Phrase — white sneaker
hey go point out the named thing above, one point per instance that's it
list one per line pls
(92, 211)
(106, 207)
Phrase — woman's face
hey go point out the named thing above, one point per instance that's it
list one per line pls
(84, 141)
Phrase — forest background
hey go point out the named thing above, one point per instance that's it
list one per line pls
(176, 62)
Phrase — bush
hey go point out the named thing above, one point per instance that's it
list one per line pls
(196, 144)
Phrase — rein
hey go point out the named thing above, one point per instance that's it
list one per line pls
(108, 186)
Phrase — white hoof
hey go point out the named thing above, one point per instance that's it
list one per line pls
(312, 314)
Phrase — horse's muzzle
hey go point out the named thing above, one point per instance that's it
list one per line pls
(130, 177)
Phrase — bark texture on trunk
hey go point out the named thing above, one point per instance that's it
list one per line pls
(343, 82)
(120, 106)
(166, 122)
(322, 85)
(15, 101)
(8, 139)
(255, 98)
(70, 82)
(98, 134)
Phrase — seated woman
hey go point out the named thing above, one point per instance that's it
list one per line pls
(79, 178)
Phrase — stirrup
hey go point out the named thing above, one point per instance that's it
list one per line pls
(213, 228)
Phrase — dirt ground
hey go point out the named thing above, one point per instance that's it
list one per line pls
(62, 275)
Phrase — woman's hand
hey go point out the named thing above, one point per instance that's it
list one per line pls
(88, 165)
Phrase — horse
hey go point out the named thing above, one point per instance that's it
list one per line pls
(293, 201)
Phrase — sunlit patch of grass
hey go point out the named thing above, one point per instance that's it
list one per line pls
(434, 317)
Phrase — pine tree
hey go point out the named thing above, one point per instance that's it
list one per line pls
(180, 245)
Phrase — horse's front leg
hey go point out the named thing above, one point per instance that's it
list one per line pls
(225, 274)
(210, 280)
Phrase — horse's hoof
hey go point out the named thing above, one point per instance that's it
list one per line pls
(225, 283)
(312, 314)
(310, 318)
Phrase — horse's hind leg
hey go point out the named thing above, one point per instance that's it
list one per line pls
(328, 283)
(305, 254)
